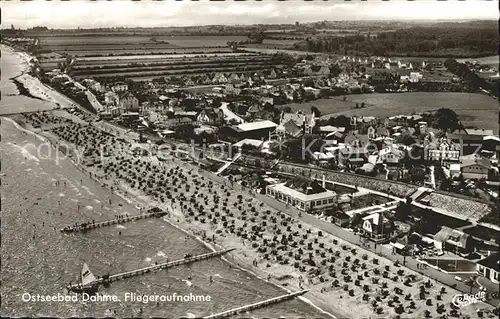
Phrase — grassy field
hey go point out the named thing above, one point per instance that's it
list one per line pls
(200, 41)
(49, 63)
(473, 109)
(78, 40)
(144, 69)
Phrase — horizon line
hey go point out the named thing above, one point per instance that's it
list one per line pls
(465, 19)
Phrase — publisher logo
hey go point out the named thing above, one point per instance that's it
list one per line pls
(465, 299)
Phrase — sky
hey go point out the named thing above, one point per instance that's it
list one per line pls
(125, 13)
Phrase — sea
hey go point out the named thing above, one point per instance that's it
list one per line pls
(41, 193)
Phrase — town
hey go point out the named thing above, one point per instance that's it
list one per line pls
(298, 132)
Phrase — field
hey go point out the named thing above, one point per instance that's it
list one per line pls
(144, 57)
(473, 109)
(113, 45)
(201, 41)
(144, 69)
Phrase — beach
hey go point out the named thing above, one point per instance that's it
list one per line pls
(42, 193)
(343, 280)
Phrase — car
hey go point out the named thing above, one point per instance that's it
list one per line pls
(439, 253)
(457, 278)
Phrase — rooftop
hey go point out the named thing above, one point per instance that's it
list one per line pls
(491, 261)
(246, 127)
(375, 218)
(303, 191)
(472, 159)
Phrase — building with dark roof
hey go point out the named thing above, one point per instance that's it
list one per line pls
(489, 267)
(304, 194)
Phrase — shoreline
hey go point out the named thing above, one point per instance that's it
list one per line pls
(243, 253)
(281, 275)
(23, 90)
(178, 220)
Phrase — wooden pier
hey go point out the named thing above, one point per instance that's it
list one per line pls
(154, 212)
(110, 278)
(256, 305)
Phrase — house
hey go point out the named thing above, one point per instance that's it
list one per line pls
(119, 87)
(470, 139)
(219, 78)
(111, 98)
(128, 102)
(455, 170)
(304, 194)
(352, 156)
(92, 85)
(392, 156)
(231, 89)
(306, 121)
(176, 122)
(307, 70)
(339, 218)
(444, 152)
(356, 140)
(272, 74)
(324, 70)
(453, 240)
(266, 100)
(189, 82)
(376, 226)
(210, 116)
(362, 123)
(415, 77)
(290, 128)
(204, 80)
(234, 77)
(475, 167)
(489, 267)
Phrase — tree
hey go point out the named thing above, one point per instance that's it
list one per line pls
(405, 139)
(417, 174)
(316, 112)
(446, 120)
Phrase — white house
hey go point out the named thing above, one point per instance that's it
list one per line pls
(119, 87)
(415, 77)
(304, 194)
(377, 226)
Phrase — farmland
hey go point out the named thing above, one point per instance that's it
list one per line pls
(146, 68)
(143, 57)
(117, 45)
(473, 109)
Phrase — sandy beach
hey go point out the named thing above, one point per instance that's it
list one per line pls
(344, 280)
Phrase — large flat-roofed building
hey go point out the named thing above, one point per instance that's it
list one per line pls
(254, 130)
(304, 194)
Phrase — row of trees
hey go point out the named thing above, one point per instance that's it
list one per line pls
(463, 71)
(426, 41)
